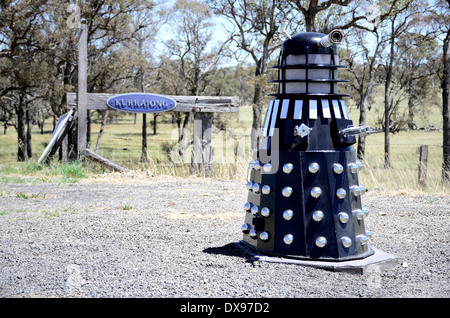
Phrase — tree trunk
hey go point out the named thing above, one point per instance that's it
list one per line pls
(144, 138)
(261, 68)
(256, 123)
(387, 150)
(310, 17)
(41, 121)
(445, 109)
(155, 116)
(21, 134)
(361, 149)
(411, 106)
(387, 103)
(29, 124)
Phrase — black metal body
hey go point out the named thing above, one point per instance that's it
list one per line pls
(296, 206)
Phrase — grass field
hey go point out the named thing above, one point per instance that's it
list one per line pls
(121, 143)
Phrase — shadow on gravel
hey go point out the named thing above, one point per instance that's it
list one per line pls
(231, 249)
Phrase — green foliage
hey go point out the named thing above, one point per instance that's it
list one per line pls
(33, 172)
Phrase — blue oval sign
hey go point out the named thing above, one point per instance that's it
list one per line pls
(141, 103)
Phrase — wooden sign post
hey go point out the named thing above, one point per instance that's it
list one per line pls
(82, 88)
(201, 106)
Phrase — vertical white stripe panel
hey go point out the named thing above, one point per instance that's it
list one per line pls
(267, 119)
(344, 109)
(326, 108)
(284, 109)
(313, 109)
(337, 112)
(274, 117)
(298, 109)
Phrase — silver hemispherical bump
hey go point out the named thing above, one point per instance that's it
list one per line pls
(353, 167)
(321, 241)
(267, 167)
(346, 241)
(249, 185)
(362, 239)
(343, 217)
(341, 193)
(365, 210)
(313, 167)
(253, 234)
(358, 213)
(338, 168)
(287, 192)
(359, 164)
(256, 187)
(266, 189)
(264, 236)
(288, 167)
(368, 233)
(255, 164)
(288, 214)
(245, 227)
(265, 212)
(288, 239)
(356, 190)
(317, 216)
(247, 206)
(362, 189)
(255, 210)
(316, 192)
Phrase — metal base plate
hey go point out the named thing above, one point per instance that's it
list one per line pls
(377, 260)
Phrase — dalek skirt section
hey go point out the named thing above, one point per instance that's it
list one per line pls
(304, 196)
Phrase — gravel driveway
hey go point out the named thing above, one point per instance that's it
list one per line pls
(143, 236)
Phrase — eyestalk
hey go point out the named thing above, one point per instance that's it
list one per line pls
(334, 37)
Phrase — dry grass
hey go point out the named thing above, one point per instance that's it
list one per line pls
(122, 143)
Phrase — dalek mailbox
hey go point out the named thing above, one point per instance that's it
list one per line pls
(304, 196)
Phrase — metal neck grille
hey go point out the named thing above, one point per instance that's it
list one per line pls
(308, 75)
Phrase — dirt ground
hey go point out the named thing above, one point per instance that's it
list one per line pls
(136, 235)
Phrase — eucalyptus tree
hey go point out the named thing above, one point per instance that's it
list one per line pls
(194, 47)
(416, 72)
(193, 43)
(441, 16)
(405, 17)
(139, 53)
(324, 16)
(362, 56)
(111, 26)
(255, 30)
(23, 68)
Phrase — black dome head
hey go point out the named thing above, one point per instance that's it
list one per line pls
(312, 42)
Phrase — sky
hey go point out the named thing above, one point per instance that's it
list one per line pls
(219, 35)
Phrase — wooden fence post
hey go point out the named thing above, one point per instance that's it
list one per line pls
(423, 165)
(201, 161)
(82, 89)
